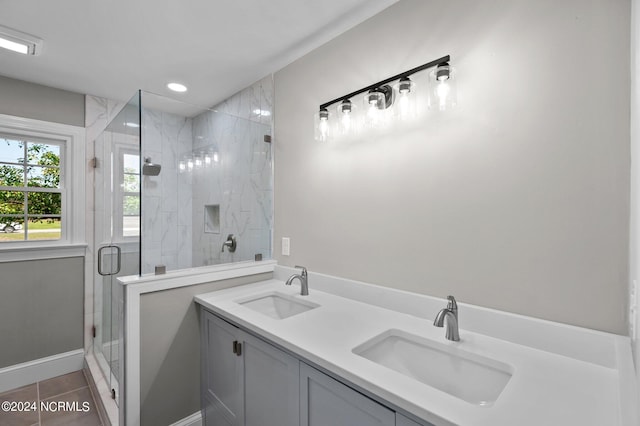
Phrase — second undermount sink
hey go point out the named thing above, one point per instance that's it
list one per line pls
(277, 305)
(465, 375)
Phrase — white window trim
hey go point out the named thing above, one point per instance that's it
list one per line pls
(73, 219)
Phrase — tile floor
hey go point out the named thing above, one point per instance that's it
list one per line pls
(65, 400)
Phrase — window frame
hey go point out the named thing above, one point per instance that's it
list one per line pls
(72, 179)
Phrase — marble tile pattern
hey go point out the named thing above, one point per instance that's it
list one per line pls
(173, 203)
(240, 184)
(166, 205)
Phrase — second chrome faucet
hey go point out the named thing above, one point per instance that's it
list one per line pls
(304, 281)
(450, 313)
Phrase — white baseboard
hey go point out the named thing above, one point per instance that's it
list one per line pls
(19, 375)
(193, 420)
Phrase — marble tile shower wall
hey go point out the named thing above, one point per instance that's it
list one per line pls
(173, 203)
(240, 185)
(166, 198)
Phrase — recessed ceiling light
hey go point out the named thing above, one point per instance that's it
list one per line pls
(19, 42)
(177, 87)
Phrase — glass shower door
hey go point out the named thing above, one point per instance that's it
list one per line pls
(116, 231)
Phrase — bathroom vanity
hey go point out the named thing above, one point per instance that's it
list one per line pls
(344, 357)
(248, 381)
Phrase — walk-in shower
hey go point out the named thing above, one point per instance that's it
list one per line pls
(171, 182)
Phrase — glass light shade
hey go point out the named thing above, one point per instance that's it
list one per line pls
(347, 118)
(189, 164)
(375, 115)
(442, 88)
(207, 159)
(405, 105)
(216, 157)
(182, 166)
(321, 126)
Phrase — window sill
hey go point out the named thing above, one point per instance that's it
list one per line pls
(41, 251)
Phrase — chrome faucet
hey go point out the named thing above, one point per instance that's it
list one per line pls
(304, 281)
(230, 243)
(451, 314)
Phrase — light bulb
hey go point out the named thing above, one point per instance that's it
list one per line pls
(443, 91)
(207, 159)
(442, 88)
(345, 111)
(215, 157)
(190, 164)
(375, 103)
(322, 125)
(405, 103)
(182, 166)
(198, 161)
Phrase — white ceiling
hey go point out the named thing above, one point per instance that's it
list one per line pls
(215, 47)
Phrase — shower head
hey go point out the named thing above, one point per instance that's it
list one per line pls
(149, 168)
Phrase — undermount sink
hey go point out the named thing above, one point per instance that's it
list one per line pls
(277, 305)
(465, 375)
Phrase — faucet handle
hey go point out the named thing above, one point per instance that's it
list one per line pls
(304, 270)
(452, 305)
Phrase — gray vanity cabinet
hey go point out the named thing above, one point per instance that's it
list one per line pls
(221, 374)
(404, 421)
(327, 402)
(247, 382)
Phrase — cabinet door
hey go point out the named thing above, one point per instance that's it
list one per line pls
(221, 370)
(327, 402)
(271, 385)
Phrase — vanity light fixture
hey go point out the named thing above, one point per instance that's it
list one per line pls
(380, 96)
(20, 42)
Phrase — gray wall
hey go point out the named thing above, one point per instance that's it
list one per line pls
(170, 348)
(41, 308)
(634, 257)
(30, 100)
(516, 200)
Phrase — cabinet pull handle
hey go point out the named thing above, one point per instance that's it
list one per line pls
(237, 348)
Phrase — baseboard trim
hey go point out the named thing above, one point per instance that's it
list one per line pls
(193, 420)
(19, 375)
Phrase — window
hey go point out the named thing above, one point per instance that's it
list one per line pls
(31, 188)
(42, 184)
(129, 203)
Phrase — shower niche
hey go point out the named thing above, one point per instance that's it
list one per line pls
(212, 218)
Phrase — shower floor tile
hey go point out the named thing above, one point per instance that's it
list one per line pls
(64, 400)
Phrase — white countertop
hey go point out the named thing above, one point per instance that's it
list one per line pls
(545, 389)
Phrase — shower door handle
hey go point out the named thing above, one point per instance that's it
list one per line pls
(119, 253)
(118, 258)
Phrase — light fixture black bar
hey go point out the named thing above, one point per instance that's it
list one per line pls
(388, 80)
